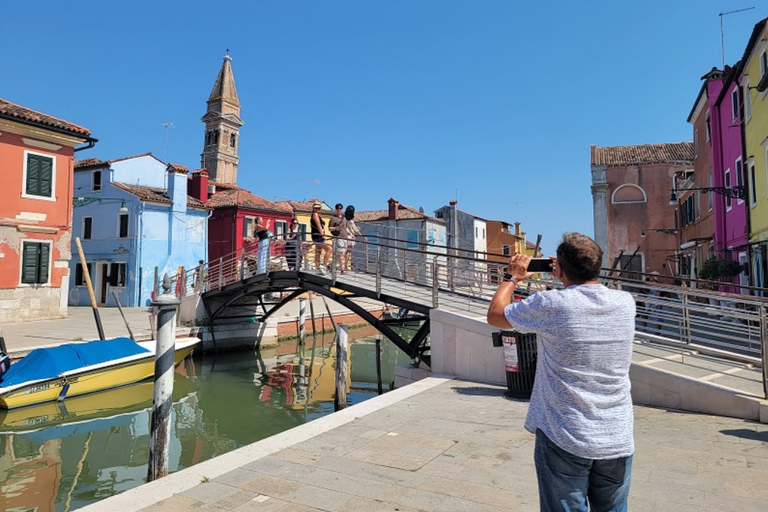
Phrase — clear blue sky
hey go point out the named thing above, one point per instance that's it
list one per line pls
(493, 102)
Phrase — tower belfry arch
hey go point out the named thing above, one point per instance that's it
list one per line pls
(222, 128)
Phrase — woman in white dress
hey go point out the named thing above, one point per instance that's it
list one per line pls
(349, 231)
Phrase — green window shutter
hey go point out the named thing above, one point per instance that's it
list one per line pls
(42, 276)
(33, 175)
(39, 175)
(29, 261)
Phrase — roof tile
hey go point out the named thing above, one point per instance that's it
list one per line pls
(157, 195)
(672, 152)
(16, 112)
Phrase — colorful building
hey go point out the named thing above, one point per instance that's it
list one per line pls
(133, 215)
(754, 84)
(634, 222)
(36, 156)
(729, 168)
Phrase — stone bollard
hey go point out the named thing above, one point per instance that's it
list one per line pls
(160, 433)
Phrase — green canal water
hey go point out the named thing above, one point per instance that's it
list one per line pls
(60, 457)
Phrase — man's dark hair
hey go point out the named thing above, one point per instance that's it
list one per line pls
(339, 206)
(579, 257)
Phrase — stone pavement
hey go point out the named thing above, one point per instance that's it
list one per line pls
(450, 445)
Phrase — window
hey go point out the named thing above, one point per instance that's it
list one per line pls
(96, 181)
(739, 176)
(483, 233)
(232, 138)
(87, 227)
(476, 233)
(413, 239)
(763, 64)
(695, 143)
(628, 193)
(303, 228)
(123, 226)
(728, 199)
(735, 104)
(80, 275)
(117, 274)
(248, 223)
(747, 100)
(688, 211)
(38, 175)
(506, 250)
(709, 130)
(752, 194)
(698, 204)
(35, 262)
(280, 227)
(709, 196)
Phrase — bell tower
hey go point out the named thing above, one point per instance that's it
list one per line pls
(222, 128)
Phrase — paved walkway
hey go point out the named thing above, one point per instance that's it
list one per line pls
(449, 445)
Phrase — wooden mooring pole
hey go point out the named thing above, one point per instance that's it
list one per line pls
(340, 398)
(87, 279)
(160, 431)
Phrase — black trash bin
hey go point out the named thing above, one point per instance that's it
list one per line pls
(519, 361)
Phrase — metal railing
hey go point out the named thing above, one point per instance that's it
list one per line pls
(725, 324)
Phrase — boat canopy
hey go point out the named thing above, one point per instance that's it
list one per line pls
(48, 363)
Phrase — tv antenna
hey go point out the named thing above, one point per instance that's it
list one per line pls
(167, 125)
(722, 34)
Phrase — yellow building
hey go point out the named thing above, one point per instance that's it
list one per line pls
(754, 84)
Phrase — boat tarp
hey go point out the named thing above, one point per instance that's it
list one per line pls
(47, 363)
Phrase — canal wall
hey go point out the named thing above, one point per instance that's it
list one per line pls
(462, 347)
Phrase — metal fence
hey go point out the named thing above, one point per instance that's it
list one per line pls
(722, 324)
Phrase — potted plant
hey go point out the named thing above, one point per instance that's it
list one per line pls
(716, 268)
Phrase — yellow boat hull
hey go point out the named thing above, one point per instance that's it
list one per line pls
(86, 381)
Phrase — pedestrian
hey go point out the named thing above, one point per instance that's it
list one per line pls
(335, 227)
(348, 233)
(261, 231)
(581, 407)
(322, 249)
(292, 245)
(200, 276)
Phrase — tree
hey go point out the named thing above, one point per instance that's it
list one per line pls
(715, 269)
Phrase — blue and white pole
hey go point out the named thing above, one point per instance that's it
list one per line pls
(160, 432)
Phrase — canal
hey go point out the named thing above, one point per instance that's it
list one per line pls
(60, 457)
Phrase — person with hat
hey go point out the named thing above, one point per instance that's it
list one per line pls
(322, 249)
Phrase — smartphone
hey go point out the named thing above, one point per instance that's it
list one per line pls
(540, 265)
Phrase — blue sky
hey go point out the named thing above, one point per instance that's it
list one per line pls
(493, 103)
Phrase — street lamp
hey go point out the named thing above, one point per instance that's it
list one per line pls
(738, 191)
(82, 201)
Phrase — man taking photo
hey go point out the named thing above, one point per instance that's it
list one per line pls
(581, 408)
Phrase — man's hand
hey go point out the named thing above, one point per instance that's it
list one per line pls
(518, 266)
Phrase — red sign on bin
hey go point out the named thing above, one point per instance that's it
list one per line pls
(510, 353)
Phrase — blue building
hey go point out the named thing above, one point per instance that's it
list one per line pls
(132, 215)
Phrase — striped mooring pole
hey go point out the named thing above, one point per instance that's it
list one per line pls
(302, 318)
(160, 433)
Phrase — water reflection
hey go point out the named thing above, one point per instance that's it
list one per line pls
(59, 457)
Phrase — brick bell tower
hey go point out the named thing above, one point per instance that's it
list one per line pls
(222, 128)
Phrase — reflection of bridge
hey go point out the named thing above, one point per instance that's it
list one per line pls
(420, 277)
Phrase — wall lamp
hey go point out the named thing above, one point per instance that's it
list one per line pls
(82, 201)
(737, 192)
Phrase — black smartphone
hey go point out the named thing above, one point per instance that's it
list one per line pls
(540, 265)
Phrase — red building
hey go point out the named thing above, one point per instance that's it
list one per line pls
(36, 157)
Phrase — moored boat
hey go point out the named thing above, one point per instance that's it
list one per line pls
(72, 369)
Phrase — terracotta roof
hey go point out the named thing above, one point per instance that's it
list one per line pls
(675, 152)
(157, 195)
(232, 195)
(91, 162)
(404, 212)
(25, 115)
(297, 206)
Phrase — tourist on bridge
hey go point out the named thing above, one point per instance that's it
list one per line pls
(292, 245)
(322, 249)
(581, 407)
(261, 230)
(349, 231)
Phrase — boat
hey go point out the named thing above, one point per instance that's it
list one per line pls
(73, 369)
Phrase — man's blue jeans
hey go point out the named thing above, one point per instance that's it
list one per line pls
(568, 483)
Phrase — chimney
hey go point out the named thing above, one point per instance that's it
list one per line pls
(393, 208)
(517, 229)
(197, 186)
(177, 187)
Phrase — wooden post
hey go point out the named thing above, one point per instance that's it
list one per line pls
(160, 431)
(378, 364)
(120, 308)
(329, 313)
(312, 314)
(87, 277)
(340, 397)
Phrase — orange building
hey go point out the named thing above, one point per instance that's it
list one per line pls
(36, 156)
